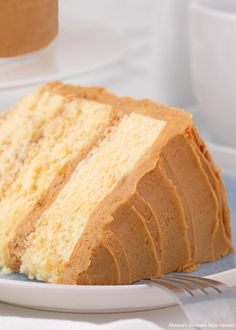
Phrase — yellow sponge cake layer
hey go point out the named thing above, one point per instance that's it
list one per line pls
(59, 228)
(21, 127)
(66, 138)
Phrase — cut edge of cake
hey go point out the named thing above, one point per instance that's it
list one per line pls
(64, 141)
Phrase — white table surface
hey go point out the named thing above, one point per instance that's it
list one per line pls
(26, 318)
(14, 318)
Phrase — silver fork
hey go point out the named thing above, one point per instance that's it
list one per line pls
(206, 303)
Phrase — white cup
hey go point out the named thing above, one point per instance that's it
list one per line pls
(213, 60)
(171, 68)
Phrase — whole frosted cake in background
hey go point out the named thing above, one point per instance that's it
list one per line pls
(97, 189)
(27, 25)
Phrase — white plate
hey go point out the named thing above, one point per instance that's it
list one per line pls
(17, 289)
(91, 299)
(80, 47)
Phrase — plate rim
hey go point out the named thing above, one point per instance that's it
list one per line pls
(153, 297)
(68, 74)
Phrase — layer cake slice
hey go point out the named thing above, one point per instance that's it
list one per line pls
(27, 26)
(140, 197)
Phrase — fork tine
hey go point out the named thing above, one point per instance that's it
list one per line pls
(202, 281)
(191, 285)
(190, 279)
(170, 286)
(184, 285)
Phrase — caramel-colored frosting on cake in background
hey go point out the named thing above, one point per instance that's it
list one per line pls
(27, 25)
(108, 190)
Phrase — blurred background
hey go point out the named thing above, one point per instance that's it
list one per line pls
(179, 52)
(157, 58)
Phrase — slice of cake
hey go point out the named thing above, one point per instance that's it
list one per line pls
(115, 190)
(26, 25)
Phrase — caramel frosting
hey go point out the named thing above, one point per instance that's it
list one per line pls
(26, 25)
(165, 230)
(169, 214)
